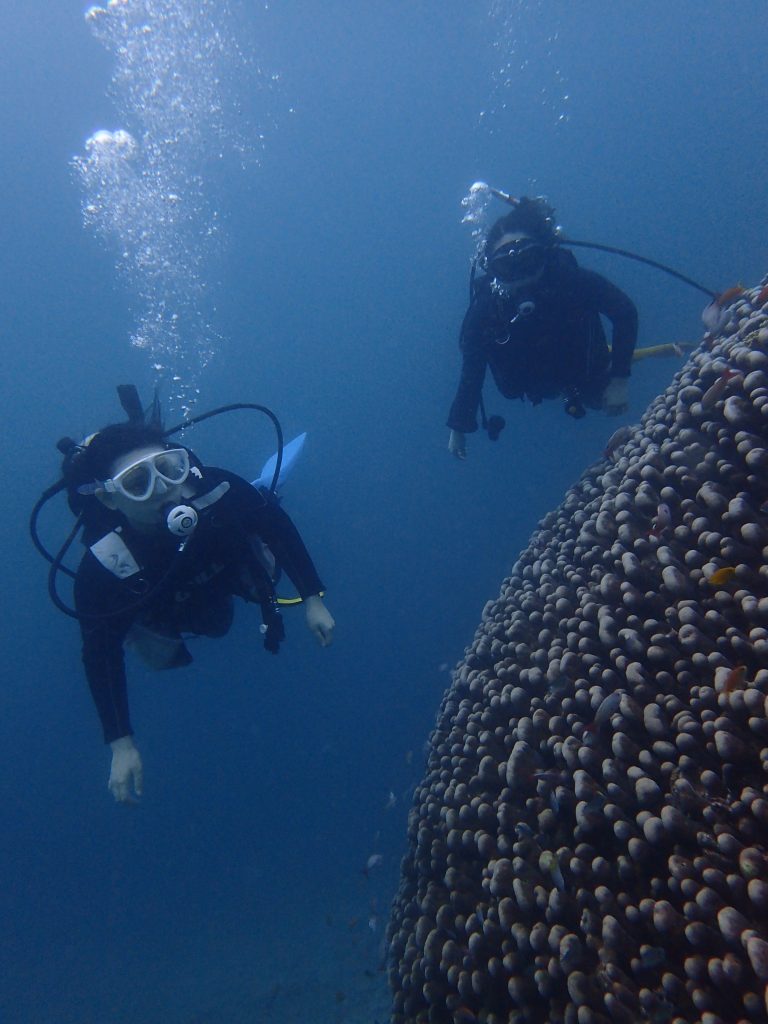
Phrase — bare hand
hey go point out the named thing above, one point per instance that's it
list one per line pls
(126, 776)
(319, 620)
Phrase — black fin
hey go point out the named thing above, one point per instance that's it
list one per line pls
(131, 403)
(153, 414)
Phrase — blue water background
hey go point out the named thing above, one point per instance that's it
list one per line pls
(235, 892)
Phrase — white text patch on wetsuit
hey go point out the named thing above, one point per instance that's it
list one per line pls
(113, 554)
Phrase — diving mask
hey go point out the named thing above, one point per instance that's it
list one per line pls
(517, 260)
(137, 481)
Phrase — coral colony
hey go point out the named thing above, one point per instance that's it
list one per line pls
(590, 841)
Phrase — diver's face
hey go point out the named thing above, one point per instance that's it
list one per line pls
(143, 512)
(506, 240)
(516, 259)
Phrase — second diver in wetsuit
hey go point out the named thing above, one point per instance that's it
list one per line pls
(535, 320)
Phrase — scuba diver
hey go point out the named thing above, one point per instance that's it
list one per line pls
(534, 319)
(170, 542)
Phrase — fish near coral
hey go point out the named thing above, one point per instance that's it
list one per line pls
(463, 1015)
(616, 440)
(714, 315)
(735, 679)
(548, 865)
(729, 295)
(721, 576)
(373, 862)
(715, 392)
(662, 520)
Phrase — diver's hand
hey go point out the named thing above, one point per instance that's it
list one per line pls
(319, 620)
(616, 396)
(126, 776)
(457, 444)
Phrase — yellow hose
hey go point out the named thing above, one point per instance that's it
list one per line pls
(672, 348)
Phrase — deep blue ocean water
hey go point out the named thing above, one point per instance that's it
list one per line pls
(235, 892)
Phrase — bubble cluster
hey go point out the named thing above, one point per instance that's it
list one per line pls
(590, 841)
(476, 203)
(146, 186)
(526, 45)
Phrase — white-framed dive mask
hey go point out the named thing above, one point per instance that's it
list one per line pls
(137, 481)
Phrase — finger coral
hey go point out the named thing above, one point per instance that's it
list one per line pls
(590, 841)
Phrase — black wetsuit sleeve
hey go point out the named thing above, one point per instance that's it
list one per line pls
(265, 517)
(98, 592)
(463, 413)
(613, 303)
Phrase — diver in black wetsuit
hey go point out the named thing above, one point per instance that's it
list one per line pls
(169, 543)
(534, 319)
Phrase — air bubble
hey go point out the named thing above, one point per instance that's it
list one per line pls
(145, 184)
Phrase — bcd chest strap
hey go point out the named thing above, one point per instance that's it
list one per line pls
(113, 553)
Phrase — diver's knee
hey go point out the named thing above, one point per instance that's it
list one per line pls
(157, 650)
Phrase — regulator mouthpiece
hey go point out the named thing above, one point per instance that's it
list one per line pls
(181, 520)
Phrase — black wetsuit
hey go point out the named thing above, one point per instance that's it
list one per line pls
(554, 345)
(224, 557)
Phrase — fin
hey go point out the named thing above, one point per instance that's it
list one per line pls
(131, 403)
(152, 414)
(291, 452)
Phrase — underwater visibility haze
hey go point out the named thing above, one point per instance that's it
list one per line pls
(263, 203)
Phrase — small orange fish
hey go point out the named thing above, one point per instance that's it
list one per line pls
(729, 295)
(735, 679)
(762, 297)
(463, 1015)
(721, 576)
(715, 392)
(714, 316)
